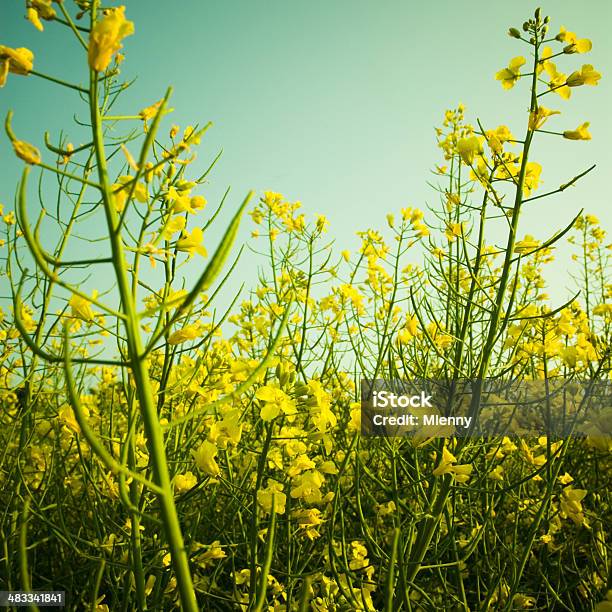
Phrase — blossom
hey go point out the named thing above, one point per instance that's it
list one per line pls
(184, 482)
(81, 308)
(214, 552)
(189, 332)
(308, 519)
(322, 223)
(453, 231)
(183, 202)
(265, 497)
(557, 81)
(448, 465)
(149, 112)
(17, 61)
(532, 177)
(29, 153)
(580, 133)
(526, 245)
(274, 402)
(34, 19)
(574, 44)
(37, 10)
(538, 117)
(587, 75)
(508, 76)
(121, 191)
(496, 138)
(571, 505)
(174, 225)
(191, 242)
(307, 486)
(204, 458)
(468, 148)
(106, 35)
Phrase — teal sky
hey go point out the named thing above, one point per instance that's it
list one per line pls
(333, 102)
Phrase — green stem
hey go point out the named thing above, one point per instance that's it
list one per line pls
(154, 434)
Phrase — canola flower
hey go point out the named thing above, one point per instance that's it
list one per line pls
(18, 61)
(106, 36)
(510, 75)
(580, 133)
(278, 499)
(39, 9)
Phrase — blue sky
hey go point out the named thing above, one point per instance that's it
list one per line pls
(333, 103)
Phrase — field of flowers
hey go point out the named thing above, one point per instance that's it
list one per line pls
(163, 446)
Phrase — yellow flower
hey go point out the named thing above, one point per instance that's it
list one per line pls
(227, 430)
(213, 553)
(34, 19)
(81, 307)
(39, 9)
(580, 133)
(17, 61)
(565, 479)
(274, 401)
(106, 35)
(453, 231)
(602, 310)
(510, 75)
(183, 202)
(575, 44)
(447, 465)
(150, 111)
(587, 75)
(307, 486)
(532, 177)
(204, 458)
(468, 148)
(264, 498)
(496, 138)
(67, 419)
(121, 192)
(571, 505)
(538, 117)
(497, 473)
(191, 242)
(29, 153)
(189, 332)
(545, 56)
(557, 81)
(176, 224)
(526, 245)
(184, 482)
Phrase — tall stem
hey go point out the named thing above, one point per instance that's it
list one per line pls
(138, 366)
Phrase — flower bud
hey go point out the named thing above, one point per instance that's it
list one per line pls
(514, 33)
(526, 27)
(538, 13)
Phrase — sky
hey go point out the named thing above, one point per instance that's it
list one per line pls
(332, 102)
